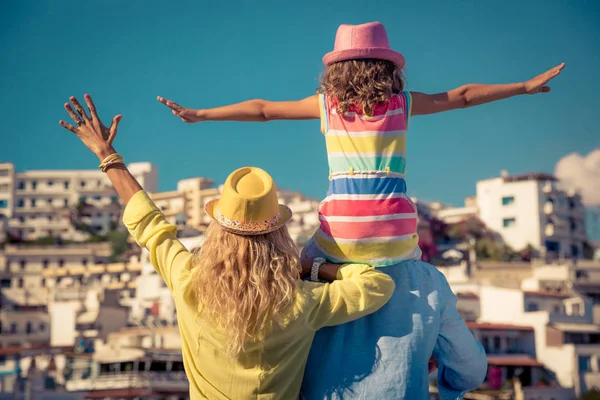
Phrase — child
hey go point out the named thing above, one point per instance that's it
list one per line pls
(365, 110)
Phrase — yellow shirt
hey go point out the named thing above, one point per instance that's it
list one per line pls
(273, 368)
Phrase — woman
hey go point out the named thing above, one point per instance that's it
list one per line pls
(246, 319)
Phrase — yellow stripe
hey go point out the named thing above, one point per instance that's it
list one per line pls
(366, 251)
(322, 112)
(386, 144)
(409, 96)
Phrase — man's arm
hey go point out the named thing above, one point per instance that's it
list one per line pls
(462, 359)
(250, 111)
(476, 94)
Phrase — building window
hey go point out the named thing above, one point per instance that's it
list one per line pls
(32, 202)
(20, 203)
(531, 307)
(585, 363)
(508, 200)
(33, 185)
(508, 222)
(42, 327)
(84, 262)
(66, 202)
(21, 185)
(23, 264)
(82, 183)
(20, 283)
(28, 328)
(43, 282)
(66, 184)
(581, 274)
(44, 264)
(3, 203)
(575, 309)
(13, 328)
(4, 283)
(61, 262)
(497, 343)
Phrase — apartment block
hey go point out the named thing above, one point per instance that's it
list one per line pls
(533, 209)
(40, 204)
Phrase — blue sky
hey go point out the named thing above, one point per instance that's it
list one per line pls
(125, 53)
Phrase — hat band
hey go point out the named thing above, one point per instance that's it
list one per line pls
(249, 226)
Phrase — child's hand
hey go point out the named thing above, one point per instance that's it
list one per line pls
(538, 84)
(186, 114)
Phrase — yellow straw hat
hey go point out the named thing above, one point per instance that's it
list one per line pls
(248, 204)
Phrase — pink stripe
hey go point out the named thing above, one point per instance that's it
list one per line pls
(365, 208)
(364, 230)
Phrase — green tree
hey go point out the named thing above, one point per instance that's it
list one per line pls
(118, 242)
(593, 394)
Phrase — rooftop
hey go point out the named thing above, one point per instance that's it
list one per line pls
(530, 176)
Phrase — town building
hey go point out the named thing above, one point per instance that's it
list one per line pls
(533, 210)
(42, 204)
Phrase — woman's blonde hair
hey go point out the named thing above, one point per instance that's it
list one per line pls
(361, 83)
(244, 284)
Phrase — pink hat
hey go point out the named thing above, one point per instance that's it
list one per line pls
(362, 41)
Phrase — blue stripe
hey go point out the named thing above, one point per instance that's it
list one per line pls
(385, 185)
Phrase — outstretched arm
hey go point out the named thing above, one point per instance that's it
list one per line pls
(251, 110)
(476, 94)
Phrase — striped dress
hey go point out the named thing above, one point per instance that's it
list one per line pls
(367, 216)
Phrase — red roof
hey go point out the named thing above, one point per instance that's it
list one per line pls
(118, 393)
(514, 361)
(467, 295)
(12, 350)
(130, 393)
(546, 293)
(490, 326)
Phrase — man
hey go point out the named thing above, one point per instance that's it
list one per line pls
(385, 355)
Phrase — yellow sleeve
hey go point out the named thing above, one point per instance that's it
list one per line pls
(150, 229)
(358, 291)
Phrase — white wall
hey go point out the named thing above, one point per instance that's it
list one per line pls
(525, 209)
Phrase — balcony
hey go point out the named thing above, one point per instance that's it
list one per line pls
(548, 207)
(548, 187)
(21, 337)
(163, 381)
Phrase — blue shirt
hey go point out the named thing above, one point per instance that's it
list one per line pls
(385, 355)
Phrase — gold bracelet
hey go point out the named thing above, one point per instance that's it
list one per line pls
(111, 159)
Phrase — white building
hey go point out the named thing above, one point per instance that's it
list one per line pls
(532, 209)
(40, 204)
(566, 335)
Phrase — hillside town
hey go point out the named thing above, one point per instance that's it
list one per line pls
(83, 314)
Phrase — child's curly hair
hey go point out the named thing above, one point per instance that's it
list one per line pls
(362, 83)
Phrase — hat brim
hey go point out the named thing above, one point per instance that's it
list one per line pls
(379, 53)
(285, 215)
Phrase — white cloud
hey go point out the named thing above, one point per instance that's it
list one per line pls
(582, 173)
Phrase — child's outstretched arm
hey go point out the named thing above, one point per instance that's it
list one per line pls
(475, 94)
(251, 110)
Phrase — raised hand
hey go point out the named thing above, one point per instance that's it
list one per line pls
(90, 130)
(186, 114)
(538, 84)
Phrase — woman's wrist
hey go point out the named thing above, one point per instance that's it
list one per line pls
(104, 152)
